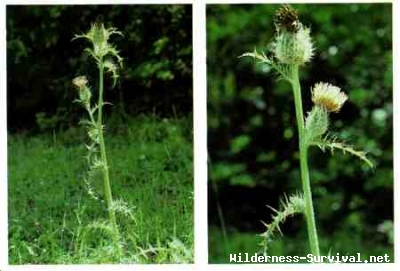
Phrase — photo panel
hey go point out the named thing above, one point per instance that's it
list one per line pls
(300, 132)
(100, 137)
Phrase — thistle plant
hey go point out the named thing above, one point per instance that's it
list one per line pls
(292, 48)
(104, 55)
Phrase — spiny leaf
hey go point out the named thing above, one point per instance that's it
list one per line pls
(90, 189)
(332, 143)
(291, 205)
(123, 208)
(102, 226)
(110, 66)
(261, 57)
(283, 70)
(92, 54)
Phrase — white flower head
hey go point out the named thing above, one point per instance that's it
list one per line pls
(80, 82)
(328, 96)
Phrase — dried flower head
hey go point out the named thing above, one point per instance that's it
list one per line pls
(328, 96)
(80, 82)
(287, 18)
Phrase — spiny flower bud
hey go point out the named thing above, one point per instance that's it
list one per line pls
(292, 45)
(317, 122)
(328, 96)
(293, 48)
(98, 35)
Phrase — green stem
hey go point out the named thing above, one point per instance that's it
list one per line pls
(305, 178)
(106, 175)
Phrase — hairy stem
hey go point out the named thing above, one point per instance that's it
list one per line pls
(106, 175)
(305, 178)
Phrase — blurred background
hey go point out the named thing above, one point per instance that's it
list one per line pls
(148, 130)
(252, 136)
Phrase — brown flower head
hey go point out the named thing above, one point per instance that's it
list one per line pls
(287, 18)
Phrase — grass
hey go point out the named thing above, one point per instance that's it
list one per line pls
(53, 219)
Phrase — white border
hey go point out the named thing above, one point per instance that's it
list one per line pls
(200, 144)
(200, 133)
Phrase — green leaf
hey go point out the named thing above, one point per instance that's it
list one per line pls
(239, 143)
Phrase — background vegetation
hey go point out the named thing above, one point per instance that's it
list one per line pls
(252, 133)
(148, 134)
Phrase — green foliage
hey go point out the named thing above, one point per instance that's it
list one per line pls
(344, 190)
(52, 219)
(239, 143)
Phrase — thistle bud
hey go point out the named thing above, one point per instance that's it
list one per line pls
(293, 43)
(99, 38)
(317, 122)
(98, 35)
(293, 48)
(328, 96)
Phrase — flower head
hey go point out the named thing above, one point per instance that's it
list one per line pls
(287, 18)
(80, 82)
(328, 96)
(84, 91)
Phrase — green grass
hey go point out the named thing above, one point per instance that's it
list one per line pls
(53, 219)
